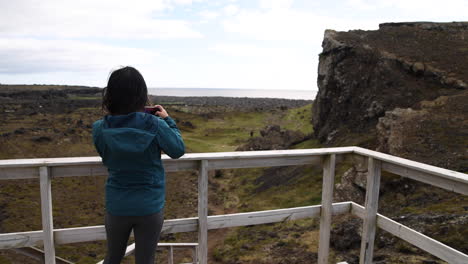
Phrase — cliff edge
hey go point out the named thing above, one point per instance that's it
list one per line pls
(402, 89)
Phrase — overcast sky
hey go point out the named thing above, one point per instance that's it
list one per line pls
(262, 44)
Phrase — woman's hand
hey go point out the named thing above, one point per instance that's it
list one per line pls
(161, 112)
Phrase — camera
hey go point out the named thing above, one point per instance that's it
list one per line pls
(152, 109)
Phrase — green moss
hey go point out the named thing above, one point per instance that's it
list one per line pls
(299, 119)
(4, 260)
(308, 144)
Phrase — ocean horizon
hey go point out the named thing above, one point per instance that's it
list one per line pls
(229, 92)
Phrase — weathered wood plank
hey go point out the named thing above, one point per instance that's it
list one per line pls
(92, 166)
(271, 216)
(326, 208)
(18, 163)
(79, 234)
(180, 225)
(130, 249)
(444, 183)
(418, 166)
(203, 212)
(46, 211)
(11, 173)
(169, 165)
(170, 255)
(11, 169)
(100, 170)
(79, 170)
(178, 245)
(21, 239)
(370, 216)
(195, 255)
(52, 162)
(266, 153)
(415, 238)
(98, 233)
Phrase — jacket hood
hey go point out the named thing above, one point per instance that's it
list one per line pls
(131, 133)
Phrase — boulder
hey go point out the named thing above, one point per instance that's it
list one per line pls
(273, 137)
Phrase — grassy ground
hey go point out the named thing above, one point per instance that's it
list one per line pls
(225, 131)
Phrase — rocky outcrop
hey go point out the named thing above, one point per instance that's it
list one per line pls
(352, 186)
(34, 99)
(364, 74)
(436, 133)
(403, 90)
(273, 137)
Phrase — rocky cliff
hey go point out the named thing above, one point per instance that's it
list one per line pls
(403, 90)
(405, 86)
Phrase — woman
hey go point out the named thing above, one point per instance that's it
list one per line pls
(130, 142)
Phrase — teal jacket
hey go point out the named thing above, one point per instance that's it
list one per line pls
(130, 146)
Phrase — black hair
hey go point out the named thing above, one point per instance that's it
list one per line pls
(125, 92)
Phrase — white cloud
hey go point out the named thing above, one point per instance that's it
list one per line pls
(208, 14)
(360, 4)
(249, 50)
(297, 33)
(428, 10)
(261, 75)
(185, 2)
(289, 25)
(265, 67)
(223, 74)
(276, 4)
(271, 45)
(27, 55)
(88, 18)
(278, 20)
(231, 10)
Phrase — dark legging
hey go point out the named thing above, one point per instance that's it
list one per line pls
(146, 230)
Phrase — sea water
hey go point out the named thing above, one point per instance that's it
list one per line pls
(252, 93)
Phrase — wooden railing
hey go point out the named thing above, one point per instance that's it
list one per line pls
(45, 169)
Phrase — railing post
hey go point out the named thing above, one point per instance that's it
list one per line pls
(326, 208)
(370, 216)
(46, 210)
(195, 255)
(171, 255)
(203, 212)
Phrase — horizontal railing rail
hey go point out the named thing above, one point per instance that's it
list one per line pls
(45, 169)
(97, 233)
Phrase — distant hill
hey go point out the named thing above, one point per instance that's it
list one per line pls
(41, 87)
